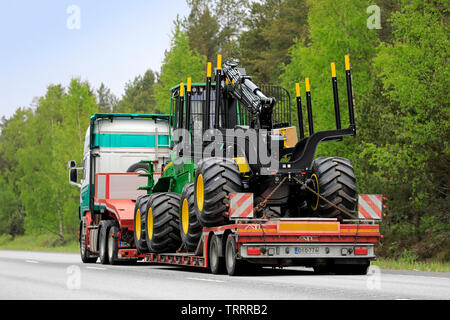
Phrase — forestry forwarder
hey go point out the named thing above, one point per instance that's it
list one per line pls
(286, 197)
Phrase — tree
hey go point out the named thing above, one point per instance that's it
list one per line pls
(202, 29)
(271, 29)
(180, 62)
(139, 95)
(107, 101)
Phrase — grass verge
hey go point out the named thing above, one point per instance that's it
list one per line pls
(42, 242)
(401, 264)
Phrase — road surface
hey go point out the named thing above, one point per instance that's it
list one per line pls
(61, 276)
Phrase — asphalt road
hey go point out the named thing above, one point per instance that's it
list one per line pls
(61, 276)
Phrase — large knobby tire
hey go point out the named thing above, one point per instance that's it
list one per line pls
(162, 222)
(190, 227)
(215, 179)
(140, 211)
(336, 182)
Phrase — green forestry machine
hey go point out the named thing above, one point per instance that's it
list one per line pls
(232, 136)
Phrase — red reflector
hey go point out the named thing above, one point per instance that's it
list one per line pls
(253, 251)
(360, 251)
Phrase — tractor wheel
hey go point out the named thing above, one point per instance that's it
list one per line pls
(162, 223)
(190, 228)
(140, 211)
(215, 179)
(335, 180)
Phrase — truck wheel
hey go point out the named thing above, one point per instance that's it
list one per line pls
(352, 269)
(140, 210)
(162, 223)
(84, 251)
(215, 179)
(138, 167)
(233, 265)
(103, 242)
(113, 247)
(190, 227)
(216, 263)
(335, 180)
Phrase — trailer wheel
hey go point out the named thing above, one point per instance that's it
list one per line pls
(140, 210)
(103, 242)
(113, 247)
(215, 179)
(334, 179)
(162, 223)
(233, 265)
(190, 227)
(84, 251)
(216, 262)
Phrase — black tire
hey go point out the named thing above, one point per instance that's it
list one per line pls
(216, 262)
(103, 243)
(337, 183)
(113, 246)
(233, 265)
(138, 167)
(352, 269)
(162, 223)
(190, 227)
(140, 211)
(215, 179)
(85, 254)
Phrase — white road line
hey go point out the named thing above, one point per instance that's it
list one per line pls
(96, 268)
(31, 261)
(202, 279)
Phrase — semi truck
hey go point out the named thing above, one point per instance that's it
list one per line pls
(155, 190)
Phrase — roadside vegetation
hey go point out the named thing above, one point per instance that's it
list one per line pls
(401, 80)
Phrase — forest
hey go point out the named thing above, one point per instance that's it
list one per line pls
(399, 52)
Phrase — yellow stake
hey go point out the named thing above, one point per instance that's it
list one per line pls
(308, 88)
(189, 84)
(182, 89)
(208, 72)
(297, 89)
(333, 70)
(219, 62)
(347, 62)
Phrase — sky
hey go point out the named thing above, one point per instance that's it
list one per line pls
(52, 41)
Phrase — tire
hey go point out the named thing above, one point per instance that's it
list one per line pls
(103, 243)
(336, 182)
(162, 223)
(138, 167)
(140, 211)
(352, 269)
(84, 251)
(216, 262)
(233, 265)
(190, 227)
(215, 179)
(113, 246)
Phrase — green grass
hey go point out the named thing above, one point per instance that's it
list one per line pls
(43, 242)
(401, 264)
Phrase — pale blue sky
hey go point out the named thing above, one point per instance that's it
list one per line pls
(117, 41)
